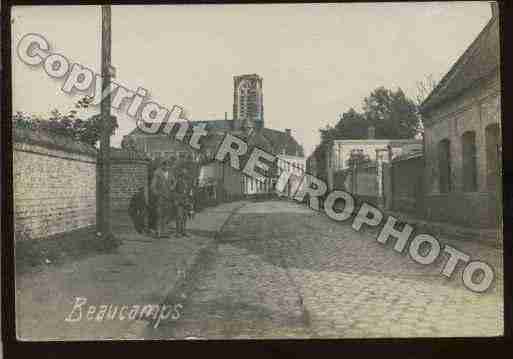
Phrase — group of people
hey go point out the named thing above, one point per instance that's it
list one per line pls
(169, 195)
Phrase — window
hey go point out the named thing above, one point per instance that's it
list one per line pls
(493, 159)
(444, 166)
(469, 161)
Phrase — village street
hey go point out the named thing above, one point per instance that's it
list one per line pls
(279, 270)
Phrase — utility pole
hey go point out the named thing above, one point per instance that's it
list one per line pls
(104, 213)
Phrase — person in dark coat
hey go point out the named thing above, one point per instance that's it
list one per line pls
(162, 188)
(138, 210)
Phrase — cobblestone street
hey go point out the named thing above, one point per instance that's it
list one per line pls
(279, 270)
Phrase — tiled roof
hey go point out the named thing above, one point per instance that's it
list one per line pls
(283, 143)
(479, 60)
(216, 125)
(220, 125)
(277, 142)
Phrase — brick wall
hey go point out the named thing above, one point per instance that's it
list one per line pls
(129, 172)
(54, 183)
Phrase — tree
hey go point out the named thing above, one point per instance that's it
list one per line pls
(69, 125)
(89, 131)
(393, 114)
(424, 88)
(351, 125)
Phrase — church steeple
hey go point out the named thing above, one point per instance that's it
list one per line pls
(248, 107)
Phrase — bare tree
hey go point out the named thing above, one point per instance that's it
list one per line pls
(424, 88)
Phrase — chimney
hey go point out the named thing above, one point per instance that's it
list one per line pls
(495, 9)
(288, 132)
(371, 132)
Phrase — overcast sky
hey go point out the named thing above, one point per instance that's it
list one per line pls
(317, 60)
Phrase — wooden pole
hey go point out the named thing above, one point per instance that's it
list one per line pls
(106, 123)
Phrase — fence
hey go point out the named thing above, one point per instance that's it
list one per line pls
(408, 185)
(396, 185)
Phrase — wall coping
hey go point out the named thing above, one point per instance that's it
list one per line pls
(122, 155)
(408, 156)
(52, 141)
(391, 142)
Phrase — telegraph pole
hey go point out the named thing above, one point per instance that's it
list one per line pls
(104, 213)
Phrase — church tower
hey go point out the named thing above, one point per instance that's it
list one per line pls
(248, 104)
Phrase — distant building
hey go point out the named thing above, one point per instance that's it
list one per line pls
(247, 124)
(339, 152)
(342, 149)
(248, 102)
(462, 136)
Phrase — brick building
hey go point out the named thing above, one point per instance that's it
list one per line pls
(128, 173)
(462, 136)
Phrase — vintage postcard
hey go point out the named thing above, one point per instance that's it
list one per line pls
(257, 171)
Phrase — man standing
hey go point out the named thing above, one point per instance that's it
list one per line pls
(182, 200)
(162, 186)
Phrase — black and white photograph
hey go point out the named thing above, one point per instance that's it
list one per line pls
(257, 171)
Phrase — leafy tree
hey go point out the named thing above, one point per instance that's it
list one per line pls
(69, 125)
(393, 114)
(351, 125)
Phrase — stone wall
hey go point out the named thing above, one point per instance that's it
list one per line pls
(54, 184)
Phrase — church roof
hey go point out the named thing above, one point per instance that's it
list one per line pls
(219, 125)
(274, 141)
(479, 60)
(283, 143)
(215, 125)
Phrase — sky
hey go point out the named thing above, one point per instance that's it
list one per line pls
(316, 60)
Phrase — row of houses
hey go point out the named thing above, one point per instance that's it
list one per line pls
(454, 173)
(226, 181)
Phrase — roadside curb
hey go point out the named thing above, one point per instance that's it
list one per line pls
(486, 237)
